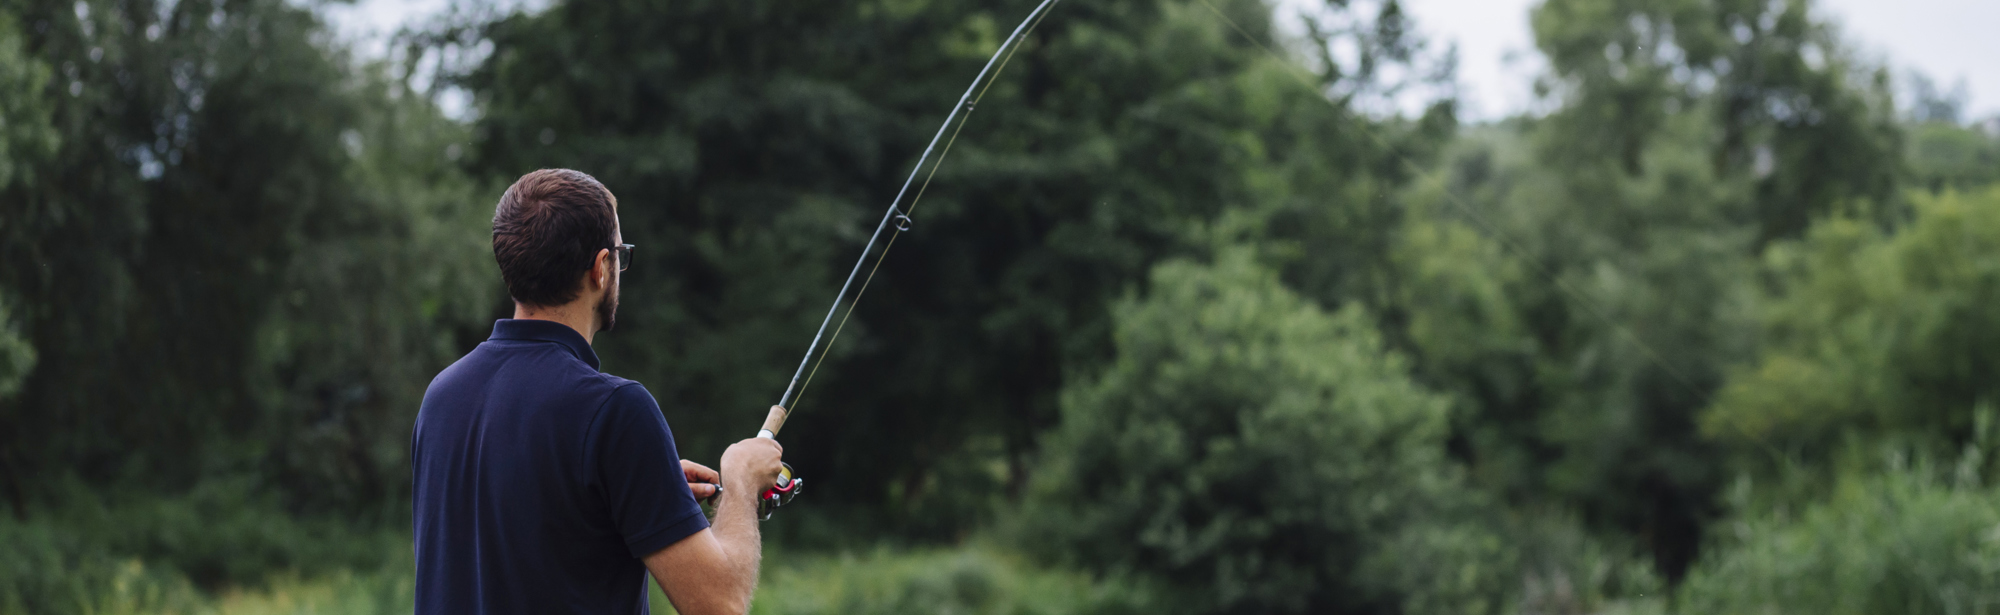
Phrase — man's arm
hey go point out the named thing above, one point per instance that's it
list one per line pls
(715, 570)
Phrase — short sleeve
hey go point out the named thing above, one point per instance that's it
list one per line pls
(645, 491)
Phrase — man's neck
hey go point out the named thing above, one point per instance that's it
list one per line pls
(582, 319)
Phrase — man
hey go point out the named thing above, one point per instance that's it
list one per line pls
(546, 486)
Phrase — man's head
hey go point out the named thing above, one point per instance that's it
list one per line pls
(555, 236)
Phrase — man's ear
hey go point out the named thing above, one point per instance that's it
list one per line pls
(601, 269)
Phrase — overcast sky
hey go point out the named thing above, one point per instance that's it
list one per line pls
(1946, 39)
(1950, 40)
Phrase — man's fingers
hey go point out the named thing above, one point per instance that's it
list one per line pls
(755, 462)
(697, 473)
(703, 491)
(771, 443)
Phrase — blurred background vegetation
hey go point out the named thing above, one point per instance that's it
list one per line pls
(1185, 326)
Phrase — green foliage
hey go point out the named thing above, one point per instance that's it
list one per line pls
(1791, 109)
(1246, 443)
(50, 568)
(231, 256)
(1578, 318)
(404, 261)
(246, 258)
(222, 533)
(385, 592)
(968, 580)
(189, 554)
(17, 358)
(1945, 156)
(1873, 338)
(26, 135)
(51, 572)
(1901, 542)
(144, 251)
(752, 154)
(1579, 281)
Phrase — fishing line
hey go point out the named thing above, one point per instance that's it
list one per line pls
(1492, 232)
(897, 220)
(901, 217)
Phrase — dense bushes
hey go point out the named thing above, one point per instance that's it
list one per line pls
(1256, 453)
(1903, 542)
(222, 533)
(51, 567)
(1880, 346)
(1874, 336)
(48, 570)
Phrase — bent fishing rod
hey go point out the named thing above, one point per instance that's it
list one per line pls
(898, 219)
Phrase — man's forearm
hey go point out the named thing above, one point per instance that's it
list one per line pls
(715, 571)
(736, 528)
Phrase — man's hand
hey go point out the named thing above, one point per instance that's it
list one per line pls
(704, 482)
(752, 465)
(715, 570)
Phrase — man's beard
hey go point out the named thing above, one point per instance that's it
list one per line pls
(607, 309)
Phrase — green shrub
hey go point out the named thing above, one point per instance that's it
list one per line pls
(47, 571)
(112, 553)
(1259, 454)
(224, 532)
(59, 566)
(1897, 543)
(1872, 339)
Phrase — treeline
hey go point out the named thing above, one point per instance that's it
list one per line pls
(1184, 316)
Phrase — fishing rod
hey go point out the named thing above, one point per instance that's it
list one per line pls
(898, 219)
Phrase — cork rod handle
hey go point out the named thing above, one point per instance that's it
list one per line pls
(773, 422)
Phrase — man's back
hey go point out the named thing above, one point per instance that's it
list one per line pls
(540, 482)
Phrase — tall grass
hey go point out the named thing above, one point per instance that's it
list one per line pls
(969, 580)
(48, 569)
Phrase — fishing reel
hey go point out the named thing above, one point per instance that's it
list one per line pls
(788, 483)
(780, 494)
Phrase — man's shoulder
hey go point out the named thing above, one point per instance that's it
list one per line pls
(466, 366)
(626, 394)
(545, 369)
(617, 382)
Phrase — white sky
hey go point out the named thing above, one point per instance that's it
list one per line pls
(372, 19)
(1946, 39)
(1950, 40)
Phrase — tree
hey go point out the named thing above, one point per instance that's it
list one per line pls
(26, 134)
(1580, 337)
(1811, 125)
(1257, 454)
(751, 154)
(186, 264)
(26, 138)
(1579, 281)
(1872, 339)
(1945, 156)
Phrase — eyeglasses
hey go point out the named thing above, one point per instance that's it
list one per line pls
(624, 252)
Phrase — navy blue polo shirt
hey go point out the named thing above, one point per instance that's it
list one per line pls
(540, 482)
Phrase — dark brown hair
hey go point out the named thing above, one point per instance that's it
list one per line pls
(547, 231)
